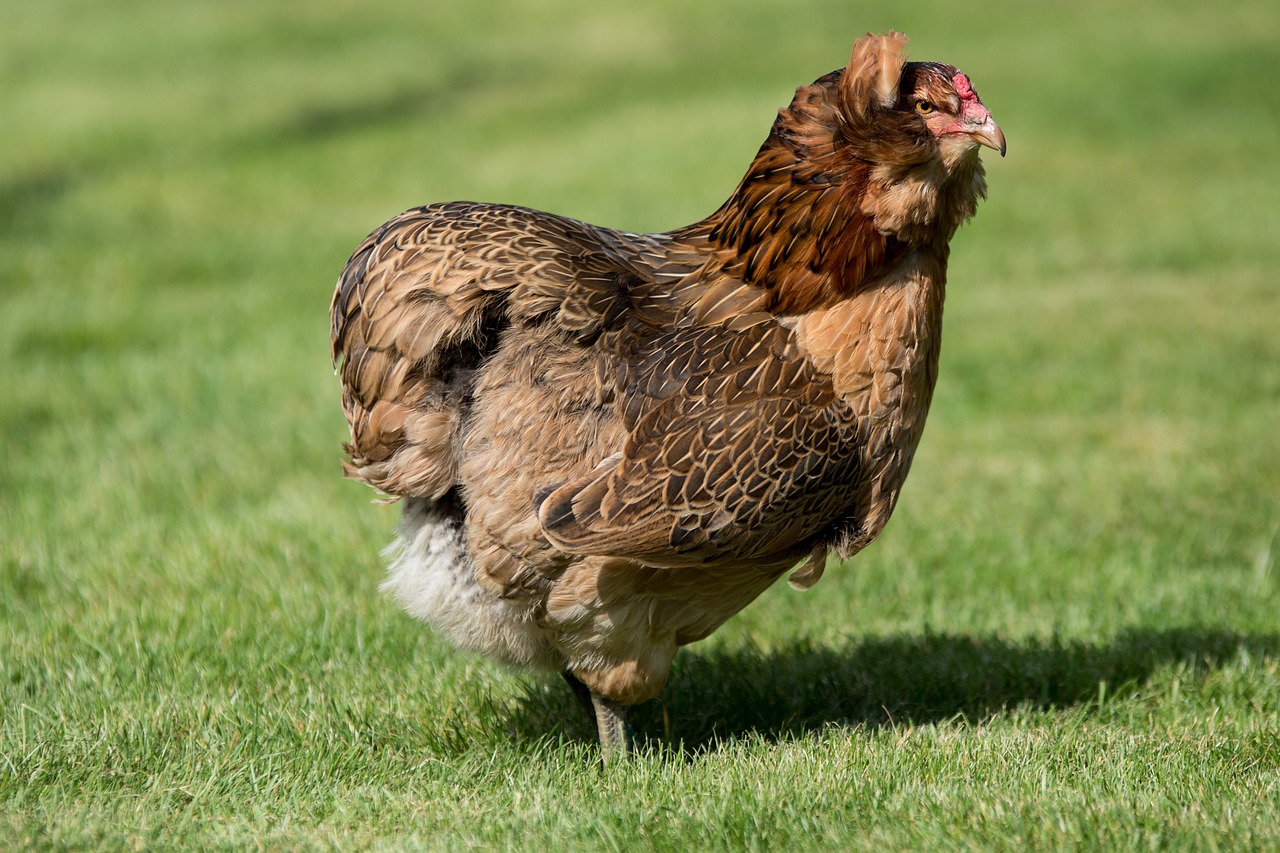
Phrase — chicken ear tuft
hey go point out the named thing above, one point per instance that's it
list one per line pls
(874, 71)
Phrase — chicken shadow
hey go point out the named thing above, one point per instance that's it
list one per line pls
(722, 695)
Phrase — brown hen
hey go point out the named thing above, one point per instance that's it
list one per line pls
(609, 443)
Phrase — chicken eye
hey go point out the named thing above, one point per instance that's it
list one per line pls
(924, 107)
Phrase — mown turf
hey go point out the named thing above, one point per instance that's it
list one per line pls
(1066, 639)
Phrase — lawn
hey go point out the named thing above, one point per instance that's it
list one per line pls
(1067, 638)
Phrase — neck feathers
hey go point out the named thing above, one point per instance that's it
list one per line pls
(813, 223)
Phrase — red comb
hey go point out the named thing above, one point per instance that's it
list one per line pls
(963, 89)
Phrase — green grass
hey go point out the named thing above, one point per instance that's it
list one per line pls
(1068, 637)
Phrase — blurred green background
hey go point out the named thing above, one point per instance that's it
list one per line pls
(192, 647)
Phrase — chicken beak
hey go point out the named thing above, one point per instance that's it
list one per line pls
(989, 134)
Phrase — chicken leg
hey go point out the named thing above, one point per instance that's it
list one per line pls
(615, 737)
(610, 718)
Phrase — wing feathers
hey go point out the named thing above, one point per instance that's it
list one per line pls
(736, 447)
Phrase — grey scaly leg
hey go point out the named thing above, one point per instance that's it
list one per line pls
(611, 719)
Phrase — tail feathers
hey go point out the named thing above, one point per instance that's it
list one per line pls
(428, 298)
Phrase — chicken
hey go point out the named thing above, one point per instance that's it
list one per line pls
(609, 443)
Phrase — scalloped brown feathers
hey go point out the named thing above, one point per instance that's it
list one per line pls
(875, 67)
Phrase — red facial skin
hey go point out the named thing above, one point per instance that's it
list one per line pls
(968, 118)
(972, 112)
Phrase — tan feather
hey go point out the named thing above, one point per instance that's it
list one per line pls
(874, 69)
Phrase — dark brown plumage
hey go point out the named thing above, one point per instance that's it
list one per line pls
(609, 442)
